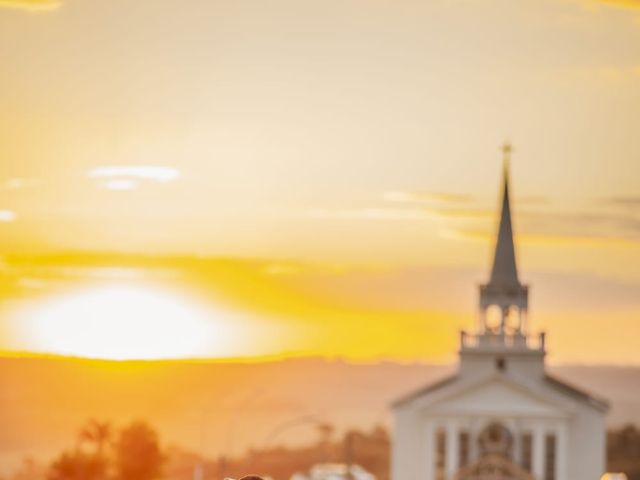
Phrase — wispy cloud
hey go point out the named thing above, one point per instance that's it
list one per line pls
(371, 214)
(427, 197)
(613, 222)
(461, 213)
(550, 238)
(450, 199)
(129, 177)
(19, 183)
(121, 184)
(146, 172)
(532, 200)
(7, 216)
(31, 5)
(580, 228)
(624, 201)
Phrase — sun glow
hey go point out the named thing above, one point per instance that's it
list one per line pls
(127, 323)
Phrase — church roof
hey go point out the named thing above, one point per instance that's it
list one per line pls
(578, 394)
(504, 272)
(425, 390)
(559, 386)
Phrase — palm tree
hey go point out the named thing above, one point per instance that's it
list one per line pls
(97, 433)
(76, 465)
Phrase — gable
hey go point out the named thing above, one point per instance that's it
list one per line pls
(495, 396)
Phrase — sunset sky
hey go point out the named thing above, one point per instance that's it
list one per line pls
(314, 177)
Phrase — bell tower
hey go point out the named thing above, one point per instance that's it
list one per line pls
(502, 340)
(504, 289)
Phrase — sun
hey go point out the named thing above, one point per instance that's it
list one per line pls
(127, 322)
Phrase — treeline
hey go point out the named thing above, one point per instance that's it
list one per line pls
(101, 452)
(370, 449)
(623, 451)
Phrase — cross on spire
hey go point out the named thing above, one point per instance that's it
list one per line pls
(507, 150)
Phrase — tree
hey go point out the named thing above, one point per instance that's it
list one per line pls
(97, 433)
(77, 465)
(137, 453)
(82, 465)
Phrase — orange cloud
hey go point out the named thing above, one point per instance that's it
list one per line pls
(385, 214)
(550, 239)
(31, 5)
(462, 213)
(427, 197)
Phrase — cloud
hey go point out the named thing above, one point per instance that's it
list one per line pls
(389, 214)
(462, 213)
(596, 229)
(7, 216)
(146, 172)
(549, 239)
(403, 214)
(129, 177)
(532, 200)
(448, 199)
(613, 227)
(427, 197)
(121, 184)
(19, 183)
(31, 5)
(620, 228)
(624, 201)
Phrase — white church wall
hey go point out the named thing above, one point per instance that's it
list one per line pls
(587, 445)
(528, 365)
(410, 451)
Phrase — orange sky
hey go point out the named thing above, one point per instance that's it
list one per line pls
(327, 171)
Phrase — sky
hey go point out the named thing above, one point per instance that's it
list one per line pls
(316, 177)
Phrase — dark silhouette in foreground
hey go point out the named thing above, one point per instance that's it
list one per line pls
(133, 455)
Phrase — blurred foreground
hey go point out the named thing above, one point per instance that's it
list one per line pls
(101, 452)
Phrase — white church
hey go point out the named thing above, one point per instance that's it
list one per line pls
(501, 416)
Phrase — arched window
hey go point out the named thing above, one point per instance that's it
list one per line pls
(493, 319)
(513, 320)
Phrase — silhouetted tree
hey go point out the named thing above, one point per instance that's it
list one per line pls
(325, 431)
(623, 451)
(137, 453)
(78, 465)
(96, 433)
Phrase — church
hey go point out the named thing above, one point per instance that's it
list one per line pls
(501, 416)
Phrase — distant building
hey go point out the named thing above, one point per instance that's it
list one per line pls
(335, 471)
(501, 416)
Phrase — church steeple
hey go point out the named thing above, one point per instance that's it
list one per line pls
(504, 272)
(504, 289)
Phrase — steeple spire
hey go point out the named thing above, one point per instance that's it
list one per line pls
(504, 289)
(504, 272)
